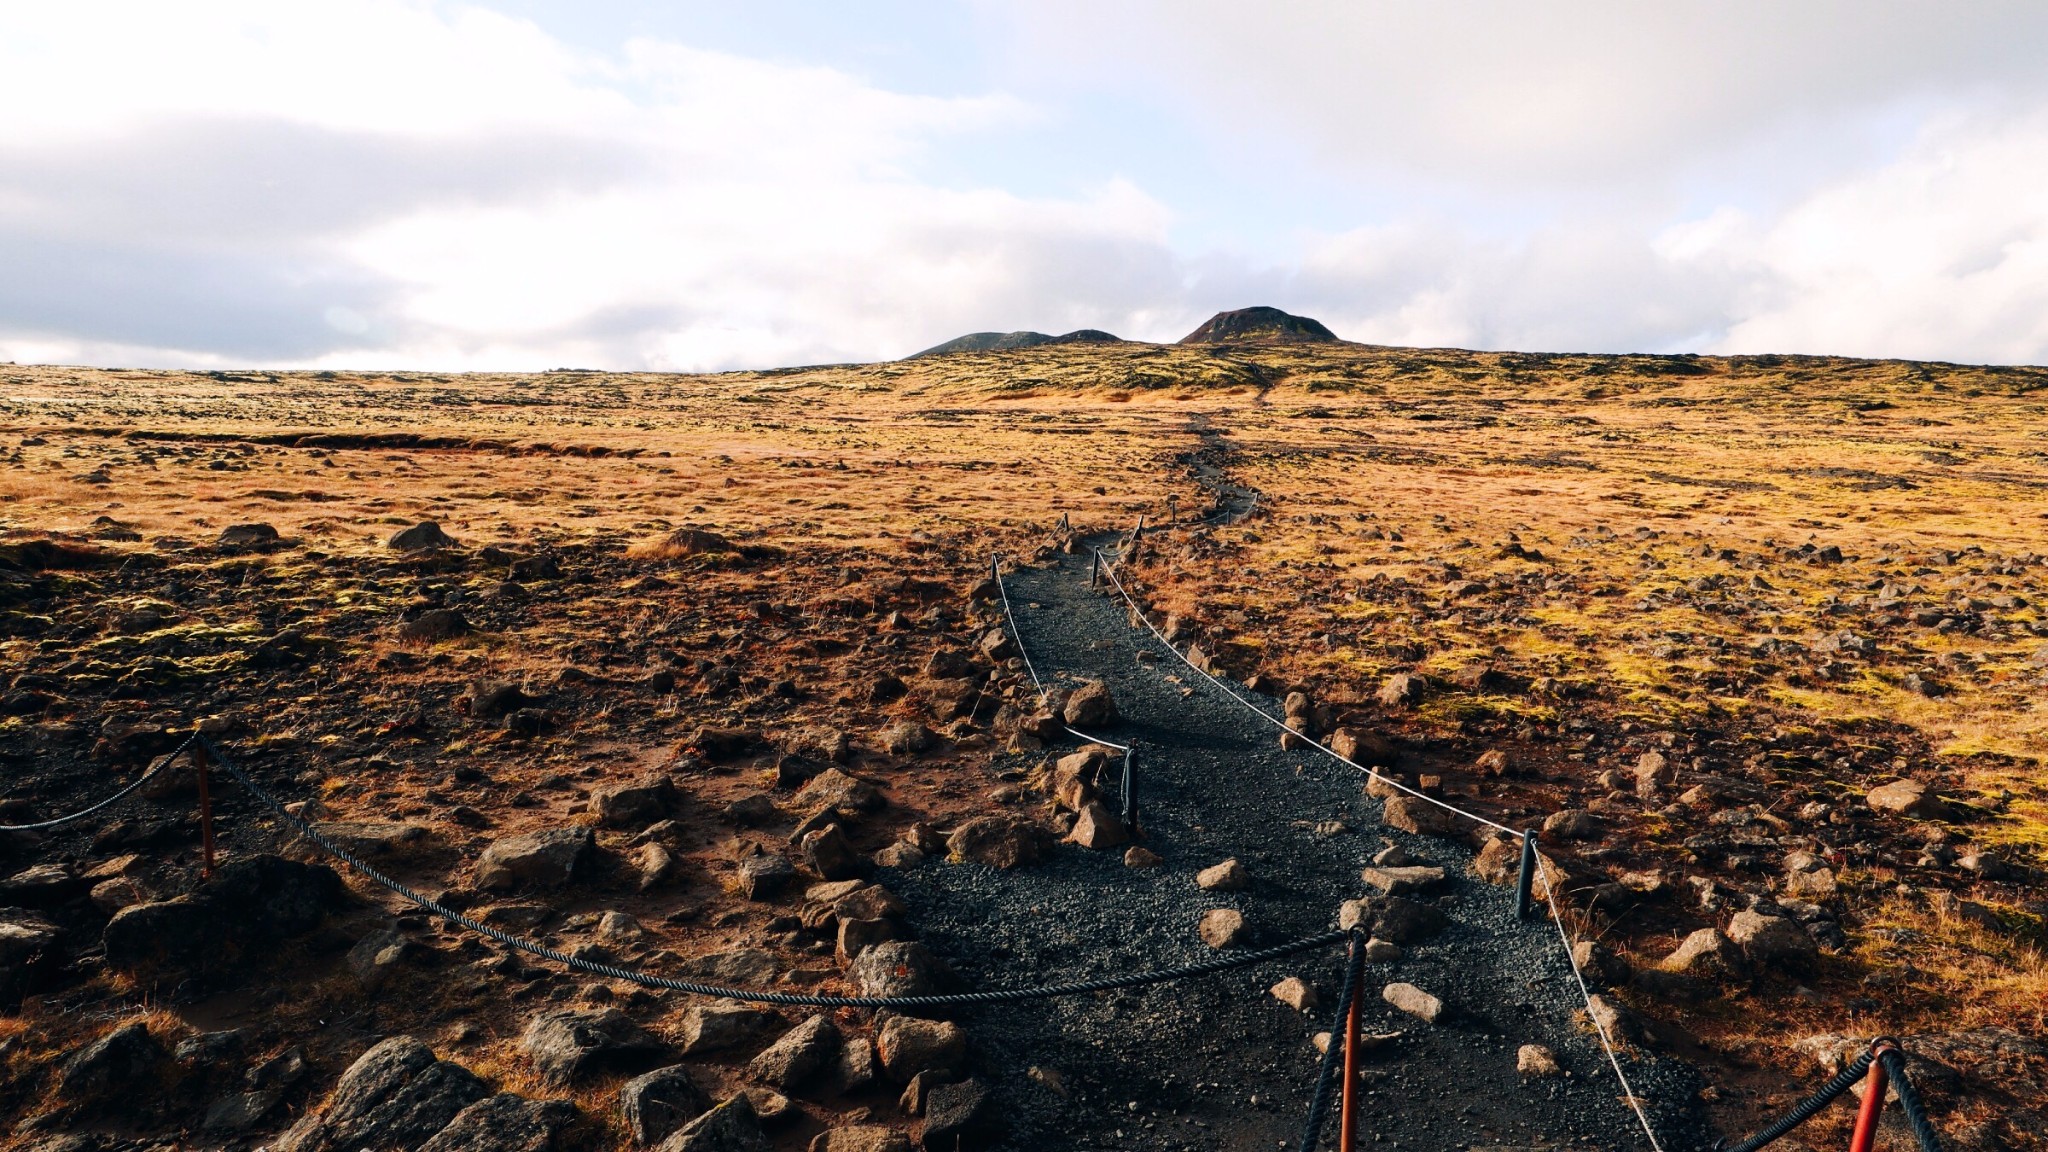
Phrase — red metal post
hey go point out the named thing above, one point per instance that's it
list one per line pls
(1874, 1090)
(1347, 1132)
(205, 813)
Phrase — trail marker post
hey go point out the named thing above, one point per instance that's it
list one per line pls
(1525, 879)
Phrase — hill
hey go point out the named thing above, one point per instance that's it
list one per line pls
(1008, 341)
(1260, 324)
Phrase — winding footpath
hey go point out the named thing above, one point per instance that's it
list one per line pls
(1220, 1063)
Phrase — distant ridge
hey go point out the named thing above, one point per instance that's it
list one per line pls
(1263, 324)
(1005, 341)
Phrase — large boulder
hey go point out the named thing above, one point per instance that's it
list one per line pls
(733, 1126)
(634, 804)
(565, 1046)
(908, 1046)
(657, 1103)
(900, 968)
(1909, 798)
(505, 1123)
(544, 859)
(1090, 706)
(1000, 841)
(118, 1064)
(28, 951)
(250, 903)
(420, 537)
(801, 1054)
(1772, 942)
(396, 1095)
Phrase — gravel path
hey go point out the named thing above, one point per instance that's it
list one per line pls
(1218, 1063)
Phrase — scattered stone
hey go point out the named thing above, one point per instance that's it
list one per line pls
(751, 810)
(1139, 857)
(435, 624)
(858, 935)
(1402, 881)
(1498, 861)
(1380, 951)
(1367, 749)
(835, 789)
(1228, 876)
(1416, 815)
(1571, 824)
(1074, 776)
(1391, 918)
(632, 805)
(1297, 994)
(899, 968)
(959, 1117)
(1401, 689)
(115, 1065)
(504, 1123)
(1223, 928)
(801, 1053)
(1493, 762)
(657, 865)
(1617, 1022)
(733, 1126)
(545, 859)
(909, 1046)
(375, 957)
(28, 950)
(1906, 798)
(618, 928)
(565, 1046)
(861, 1138)
(371, 837)
(1098, 827)
(907, 738)
(764, 877)
(1772, 941)
(420, 537)
(1090, 706)
(999, 842)
(1598, 963)
(724, 1024)
(1538, 1061)
(253, 537)
(240, 1111)
(396, 1095)
(829, 854)
(1414, 1001)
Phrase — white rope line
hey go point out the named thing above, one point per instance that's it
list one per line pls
(996, 570)
(1282, 724)
(1550, 901)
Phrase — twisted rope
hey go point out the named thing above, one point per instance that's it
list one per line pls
(82, 813)
(1319, 1104)
(614, 972)
(1894, 1063)
(1808, 1108)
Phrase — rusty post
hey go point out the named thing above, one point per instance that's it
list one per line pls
(1347, 1129)
(1874, 1089)
(199, 763)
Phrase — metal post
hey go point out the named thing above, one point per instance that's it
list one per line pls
(1140, 529)
(1874, 1089)
(1347, 1130)
(1130, 790)
(1526, 879)
(1095, 568)
(205, 812)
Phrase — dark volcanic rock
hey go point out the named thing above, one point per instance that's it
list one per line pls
(659, 1102)
(731, 1127)
(1006, 341)
(249, 903)
(504, 1123)
(958, 1116)
(116, 1064)
(396, 1095)
(1266, 324)
(566, 1045)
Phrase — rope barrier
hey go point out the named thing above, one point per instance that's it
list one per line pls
(1894, 1063)
(1586, 994)
(786, 999)
(82, 813)
(1262, 714)
(1319, 1104)
(1808, 1108)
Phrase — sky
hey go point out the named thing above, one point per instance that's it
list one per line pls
(685, 185)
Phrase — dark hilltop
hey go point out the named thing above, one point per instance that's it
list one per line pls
(1263, 324)
(1005, 341)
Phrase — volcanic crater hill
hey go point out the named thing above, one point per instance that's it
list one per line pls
(1260, 324)
(1009, 341)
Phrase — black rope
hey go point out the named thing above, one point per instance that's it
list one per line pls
(1319, 1104)
(609, 971)
(1810, 1107)
(1894, 1063)
(82, 813)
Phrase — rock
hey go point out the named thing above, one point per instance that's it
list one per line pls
(1493, 762)
(240, 1111)
(1906, 798)
(999, 842)
(253, 537)
(996, 645)
(858, 935)
(828, 853)
(748, 966)
(375, 957)
(1138, 857)
(28, 951)
(724, 1024)
(817, 742)
(908, 1046)
(1498, 861)
(435, 624)
(212, 1047)
(109, 896)
(835, 789)
(1223, 928)
(396, 1095)
(1537, 1060)
(1772, 941)
(250, 902)
(751, 810)
(899, 968)
(801, 1053)
(656, 865)
(42, 887)
(1380, 951)
(1845, 643)
(959, 1117)
(861, 1138)
(1296, 993)
(1363, 748)
(654, 1104)
(1098, 827)
(1075, 776)
(565, 1046)
(1618, 1023)
(1401, 689)
(765, 876)
(545, 859)
(1571, 824)
(1414, 1001)
(372, 837)
(1402, 881)
(632, 805)
(1391, 918)
(116, 1065)
(1416, 815)
(853, 1070)
(1653, 772)
(421, 536)
(504, 1123)
(1228, 876)
(733, 1126)
(1090, 706)
(906, 738)
(1706, 952)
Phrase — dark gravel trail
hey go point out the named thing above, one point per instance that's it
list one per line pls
(1219, 1063)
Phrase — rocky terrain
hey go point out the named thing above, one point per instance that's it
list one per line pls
(705, 677)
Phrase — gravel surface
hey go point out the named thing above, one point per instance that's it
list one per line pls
(1217, 1062)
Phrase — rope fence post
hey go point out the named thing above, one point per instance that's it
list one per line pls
(1525, 879)
(199, 765)
(1875, 1085)
(1095, 568)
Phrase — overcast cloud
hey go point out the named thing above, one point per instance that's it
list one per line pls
(392, 184)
